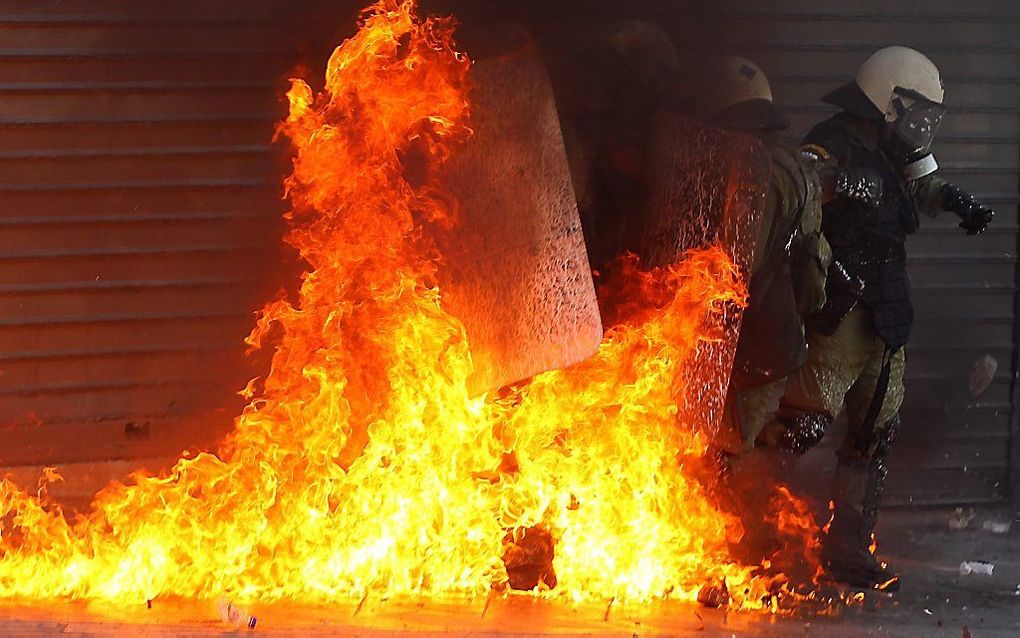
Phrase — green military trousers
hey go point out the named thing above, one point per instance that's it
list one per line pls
(844, 368)
(746, 412)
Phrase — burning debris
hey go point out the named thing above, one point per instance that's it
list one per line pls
(528, 557)
(366, 462)
(714, 594)
(233, 615)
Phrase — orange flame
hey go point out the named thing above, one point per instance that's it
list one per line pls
(362, 463)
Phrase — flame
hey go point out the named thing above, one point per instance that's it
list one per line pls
(801, 555)
(362, 464)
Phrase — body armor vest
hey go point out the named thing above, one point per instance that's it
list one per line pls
(870, 241)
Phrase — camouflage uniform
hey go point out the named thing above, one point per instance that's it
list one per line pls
(787, 283)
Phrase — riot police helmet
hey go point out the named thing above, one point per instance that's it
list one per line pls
(734, 93)
(902, 88)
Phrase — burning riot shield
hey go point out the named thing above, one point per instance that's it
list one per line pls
(516, 272)
(705, 186)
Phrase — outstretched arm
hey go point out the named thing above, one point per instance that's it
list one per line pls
(934, 195)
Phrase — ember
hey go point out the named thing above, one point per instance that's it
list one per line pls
(364, 463)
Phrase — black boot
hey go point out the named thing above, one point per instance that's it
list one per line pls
(857, 488)
(750, 484)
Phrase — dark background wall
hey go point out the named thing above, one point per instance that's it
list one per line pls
(139, 199)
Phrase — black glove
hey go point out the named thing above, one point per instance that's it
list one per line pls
(858, 183)
(843, 280)
(975, 215)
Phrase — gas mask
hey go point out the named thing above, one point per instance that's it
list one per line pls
(911, 123)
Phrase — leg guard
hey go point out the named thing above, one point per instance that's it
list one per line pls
(857, 488)
(748, 487)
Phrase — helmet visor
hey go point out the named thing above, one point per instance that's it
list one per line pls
(917, 120)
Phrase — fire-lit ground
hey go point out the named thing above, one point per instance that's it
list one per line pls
(366, 477)
(935, 601)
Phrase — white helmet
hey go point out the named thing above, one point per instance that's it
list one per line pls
(903, 68)
(736, 93)
(648, 50)
(906, 89)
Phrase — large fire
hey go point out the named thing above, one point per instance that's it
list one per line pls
(363, 464)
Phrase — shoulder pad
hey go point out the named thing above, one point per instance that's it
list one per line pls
(828, 140)
(786, 158)
(791, 174)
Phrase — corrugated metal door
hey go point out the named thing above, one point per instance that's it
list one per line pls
(954, 447)
(136, 205)
(135, 185)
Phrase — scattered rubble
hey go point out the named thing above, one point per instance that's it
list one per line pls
(981, 567)
(960, 519)
(997, 527)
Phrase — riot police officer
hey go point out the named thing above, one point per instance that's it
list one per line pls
(787, 279)
(877, 171)
(786, 283)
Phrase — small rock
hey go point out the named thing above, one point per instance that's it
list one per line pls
(714, 594)
(960, 519)
(982, 375)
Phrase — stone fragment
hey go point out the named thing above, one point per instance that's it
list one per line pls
(714, 594)
(982, 375)
(528, 556)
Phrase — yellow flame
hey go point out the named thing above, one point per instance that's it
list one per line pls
(362, 464)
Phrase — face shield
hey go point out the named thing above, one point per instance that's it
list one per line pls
(913, 120)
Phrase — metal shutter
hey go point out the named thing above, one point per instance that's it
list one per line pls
(137, 203)
(132, 148)
(953, 448)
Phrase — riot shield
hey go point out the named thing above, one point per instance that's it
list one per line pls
(705, 186)
(516, 271)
